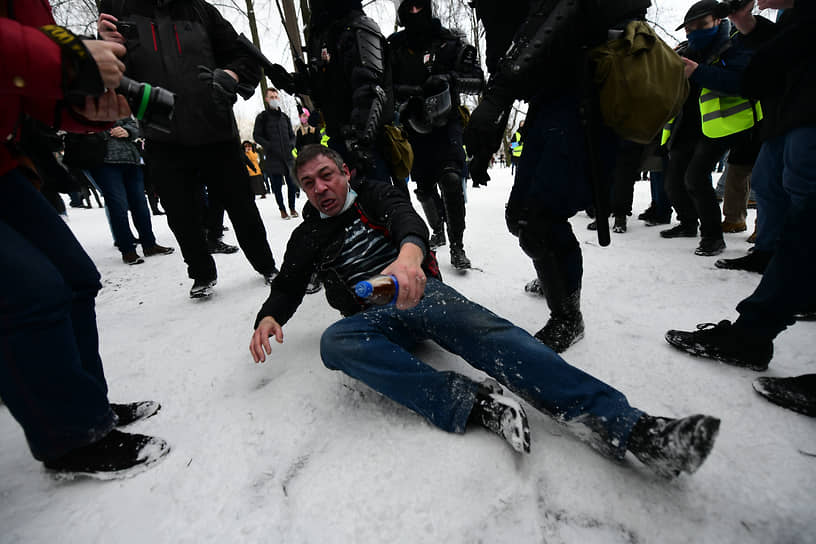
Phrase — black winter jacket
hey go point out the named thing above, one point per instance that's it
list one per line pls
(316, 242)
(273, 131)
(782, 73)
(169, 39)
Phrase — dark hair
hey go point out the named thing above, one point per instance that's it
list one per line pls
(272, 89)
(246, 143)
(313, 151)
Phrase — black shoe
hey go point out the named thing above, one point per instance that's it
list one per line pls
(797, 394)
(725, 343)
(709, 247)
(131, 258)
(116, 455)
(561, 332)
(647, 214)
(680, 231)
(593, 225)
(504, 416)
(655, 221)
(218, 246)
(755, 261)
(807, 315)
(269, 276)
(671, 446)
(437, 239)
(459, 260)
(202, 289)
(620, 224)
(534, 287)
(157, 250)
(134, 411)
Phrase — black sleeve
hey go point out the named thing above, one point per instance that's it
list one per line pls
(259, 131)
(228, 53)
(289, 286)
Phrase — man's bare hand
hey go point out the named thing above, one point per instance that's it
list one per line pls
(119, 132)
(744, 19)
(106, 28)
(690, 66)
(410, 276)
(259, 346)
(106, 55)
(108, 107)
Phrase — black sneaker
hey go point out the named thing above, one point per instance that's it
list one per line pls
(459, 260)
(437, 239)
(534, 287)
(671, 446)
(647, 214)
(220, 247)
(655, 221)
(131, 258)
(561, 332)
(134, 411)
(269, 276)
(313, 286)
(620, 224)
(710, 246)
(505, 417)
(202, 289)
(592, 225)
(680, 231)
(755, 261)
(797, 393)
(157, 250)
(117, 455)
(725, 343)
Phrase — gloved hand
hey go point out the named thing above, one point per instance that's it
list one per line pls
(224, 87)
(362, 156)
(281, 78)
(484, 133)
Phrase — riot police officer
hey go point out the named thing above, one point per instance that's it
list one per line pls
(431, 66)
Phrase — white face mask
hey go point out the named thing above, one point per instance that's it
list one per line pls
(274, 103)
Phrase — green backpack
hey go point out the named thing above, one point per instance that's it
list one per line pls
(641, 82)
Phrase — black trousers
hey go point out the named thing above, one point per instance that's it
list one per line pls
(180, 174)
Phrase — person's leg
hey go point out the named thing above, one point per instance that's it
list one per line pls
(176, 177)
(675, 188)
(660, 200)
(772, 200)
(51, 374)
(137, 203)
(111, 181)
(787, 284)
(291, 192)
(735, 197)
(276, 182)
(226, 176)
(699, 186)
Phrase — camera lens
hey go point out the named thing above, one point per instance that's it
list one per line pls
(151, 105)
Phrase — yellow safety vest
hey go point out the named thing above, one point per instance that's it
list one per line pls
(324, 138)
(667, 130)
(516, 151)
(724, 115)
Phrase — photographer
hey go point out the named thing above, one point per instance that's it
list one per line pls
(192, 51)
(51, 375)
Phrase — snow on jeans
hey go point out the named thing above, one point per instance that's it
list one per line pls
(373, 347)
(51, 374)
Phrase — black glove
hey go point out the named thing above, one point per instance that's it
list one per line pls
(281, 78)
(224, 87)
(484, 132)
(362, 156)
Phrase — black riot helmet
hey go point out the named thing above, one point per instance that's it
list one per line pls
(419, 22)
(324, 12)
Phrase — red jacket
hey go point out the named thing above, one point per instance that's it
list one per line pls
(30, 74)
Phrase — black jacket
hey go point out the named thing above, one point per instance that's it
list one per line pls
(273, 131)
(166, 44)
(782, 72)
(316, 242)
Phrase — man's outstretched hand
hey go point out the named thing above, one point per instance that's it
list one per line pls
(410, 276)
(259, 346)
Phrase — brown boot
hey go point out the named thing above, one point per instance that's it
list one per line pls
(737, 226)
(752, 239)
(283, 215)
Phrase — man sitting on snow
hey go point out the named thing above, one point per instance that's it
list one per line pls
(354, 229)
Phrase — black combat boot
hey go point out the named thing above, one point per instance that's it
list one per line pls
(453, 197)
(435, 221)
(566, 324)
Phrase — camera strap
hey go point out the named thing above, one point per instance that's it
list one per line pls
(81, 76)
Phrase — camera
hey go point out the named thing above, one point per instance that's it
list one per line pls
(151, 105)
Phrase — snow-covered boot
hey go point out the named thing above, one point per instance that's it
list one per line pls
(459, 260)
(134, 411)
(797, 393)
(671, 446)
(116, 455)
(566, 324)
(534, 287)
(504, 416)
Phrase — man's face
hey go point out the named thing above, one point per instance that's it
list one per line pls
(701, 24)
(271, 95)
(325, 186)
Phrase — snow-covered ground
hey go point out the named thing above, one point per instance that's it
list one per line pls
(289, 451)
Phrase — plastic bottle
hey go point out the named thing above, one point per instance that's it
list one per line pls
(378, 290)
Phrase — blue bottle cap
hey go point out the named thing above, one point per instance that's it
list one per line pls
(363, 289)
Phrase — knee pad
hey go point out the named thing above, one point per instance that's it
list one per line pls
(543, 236)
(450, 180)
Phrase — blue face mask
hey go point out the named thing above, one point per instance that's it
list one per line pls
(699, 40)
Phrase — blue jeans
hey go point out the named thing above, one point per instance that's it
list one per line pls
(51, 374)
(660, 200)
(785, 180)
(122, 186)
(373, 347)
